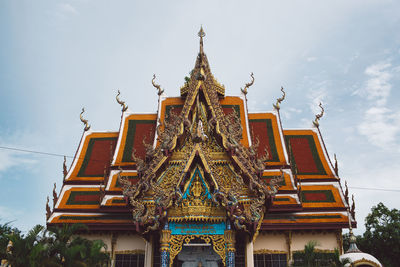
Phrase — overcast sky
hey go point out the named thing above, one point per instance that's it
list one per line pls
(58, 56)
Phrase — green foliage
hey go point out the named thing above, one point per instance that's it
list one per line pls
(309, 253)
(382, 236)
(5, 231)
(312, 258)
(58, 246)
(336, 261)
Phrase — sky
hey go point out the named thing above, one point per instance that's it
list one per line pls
(59, 56)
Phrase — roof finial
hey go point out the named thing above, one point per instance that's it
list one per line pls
(279, 100)
(346, 193)
(48, 210)
(352, 239)
(353, 207)
(201, 35)
(55, 197)
(244, 91)
(336, 168)
(319, 116)
(85, 122)
(65, 172)
(157, 86)
(122, 103)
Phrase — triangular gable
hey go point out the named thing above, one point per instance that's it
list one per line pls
(196, 177)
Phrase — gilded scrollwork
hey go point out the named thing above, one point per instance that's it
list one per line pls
(176, 244)
(202, 133)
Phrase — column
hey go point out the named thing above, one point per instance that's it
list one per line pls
(164, 245)
(148, 253)
(114, 237)
(288, 237)
(230, 246)
(249, 252)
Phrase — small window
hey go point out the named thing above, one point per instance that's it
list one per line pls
(129, 260)
(270, 260)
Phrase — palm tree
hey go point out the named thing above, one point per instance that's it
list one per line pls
(57, 247)
(26, 250)
(71, 250)
(309, 254)
(5, 231)
(337, 262)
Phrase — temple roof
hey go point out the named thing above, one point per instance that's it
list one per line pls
(142, 151)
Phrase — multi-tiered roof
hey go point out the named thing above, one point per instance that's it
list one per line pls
(202, 157)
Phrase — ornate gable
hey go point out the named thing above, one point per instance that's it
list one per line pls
(200, 145)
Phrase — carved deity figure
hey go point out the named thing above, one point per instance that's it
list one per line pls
(197, 192)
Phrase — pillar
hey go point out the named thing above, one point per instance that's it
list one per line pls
(249, 252)
(288, 236)
(164, 245)
(148, 253)
(230, 246)
(114, 237)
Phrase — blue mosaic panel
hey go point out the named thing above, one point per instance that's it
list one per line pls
(197, 228)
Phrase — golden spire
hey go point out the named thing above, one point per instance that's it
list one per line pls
(201, 35)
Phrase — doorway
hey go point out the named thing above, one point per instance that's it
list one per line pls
(194, 255)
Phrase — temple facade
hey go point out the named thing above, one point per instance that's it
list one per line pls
(204, 182)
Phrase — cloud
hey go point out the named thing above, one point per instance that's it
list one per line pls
(378, 86)
(287, 113)
(68, 9)
(9, 159)
(380, 125)
(318, 94)
(8, 214)
(311, 59)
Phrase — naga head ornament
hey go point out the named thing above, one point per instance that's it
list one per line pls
(244, 90)
(65, 172)
(336, 167)
(85, 122)
(122, 103)
(157, 86)
(48, 210)
(319, 116)
(279, 100)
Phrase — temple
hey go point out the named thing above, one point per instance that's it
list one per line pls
(204, 182)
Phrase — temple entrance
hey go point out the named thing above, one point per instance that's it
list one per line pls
(194, 255)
